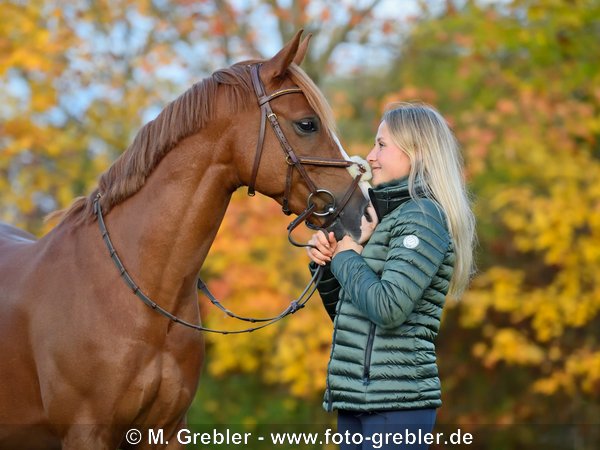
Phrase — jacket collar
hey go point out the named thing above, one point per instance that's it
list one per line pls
(386, 197)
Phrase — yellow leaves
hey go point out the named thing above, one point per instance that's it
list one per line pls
(513, 347)
(300, 362)
(555, 225)
(551, 385)
(547, 320)
(550, 309)
(25, 41)
(550, 216)
(498, 288)
(580, 371)
(23, 58)
(527, 118)
(258, 273)
(43, 96)
(302, 352)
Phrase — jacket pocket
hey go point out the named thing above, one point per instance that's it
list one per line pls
(368, 353)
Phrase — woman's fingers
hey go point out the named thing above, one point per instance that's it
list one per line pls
(332, 241)
(323, 242)
(321, 248)
(368, 226)
(318, 257)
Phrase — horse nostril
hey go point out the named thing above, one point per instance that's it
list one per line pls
(367, 214)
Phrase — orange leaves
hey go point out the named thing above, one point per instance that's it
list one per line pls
(355, 19)
(258, 273)
(550, 214)
(71, 103)
(218, 27)
(282, 14)
(388, 27)
(411, 93)
(519, 85)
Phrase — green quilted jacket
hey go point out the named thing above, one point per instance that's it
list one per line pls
(386, 305)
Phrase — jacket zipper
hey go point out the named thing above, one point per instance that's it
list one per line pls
(327, 386)
(368, 352)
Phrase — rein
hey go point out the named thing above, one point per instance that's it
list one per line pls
(331, 211)
(294, 306)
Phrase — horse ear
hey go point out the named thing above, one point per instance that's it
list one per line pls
(302, 49)
(278, 64)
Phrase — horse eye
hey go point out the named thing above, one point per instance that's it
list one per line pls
(306, 126)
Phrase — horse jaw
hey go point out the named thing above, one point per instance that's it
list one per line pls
(338, 228)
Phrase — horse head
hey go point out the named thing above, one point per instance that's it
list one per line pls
(289, 150)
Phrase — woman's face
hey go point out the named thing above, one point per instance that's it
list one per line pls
(387, 161)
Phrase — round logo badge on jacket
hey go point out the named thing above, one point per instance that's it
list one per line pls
(411, 241)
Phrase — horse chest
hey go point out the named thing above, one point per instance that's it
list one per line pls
(161, 387)
(168, 381)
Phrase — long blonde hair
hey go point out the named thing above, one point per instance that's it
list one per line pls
(436, 168)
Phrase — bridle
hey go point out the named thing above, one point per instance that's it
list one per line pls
(331, 211)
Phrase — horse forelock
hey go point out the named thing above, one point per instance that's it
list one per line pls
(317, 101)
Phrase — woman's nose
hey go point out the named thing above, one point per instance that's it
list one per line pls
(372, 156)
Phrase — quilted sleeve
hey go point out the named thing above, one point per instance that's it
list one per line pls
(419, 241)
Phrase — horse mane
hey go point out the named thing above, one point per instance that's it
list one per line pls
(183, 117)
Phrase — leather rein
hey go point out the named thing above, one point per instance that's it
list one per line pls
(331, 211)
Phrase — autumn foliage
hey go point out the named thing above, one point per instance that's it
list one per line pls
(519, 82)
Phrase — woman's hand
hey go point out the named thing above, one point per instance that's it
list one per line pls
(323, 247)
(367, 224)
(347, 243)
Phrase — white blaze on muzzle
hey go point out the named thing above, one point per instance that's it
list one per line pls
(354, 171)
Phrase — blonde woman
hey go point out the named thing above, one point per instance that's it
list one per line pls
(386, 292)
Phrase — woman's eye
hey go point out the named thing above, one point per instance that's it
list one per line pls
(307, 126)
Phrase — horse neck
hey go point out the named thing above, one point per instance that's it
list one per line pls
(164, 232)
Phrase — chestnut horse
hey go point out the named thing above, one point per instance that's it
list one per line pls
(83, 359)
